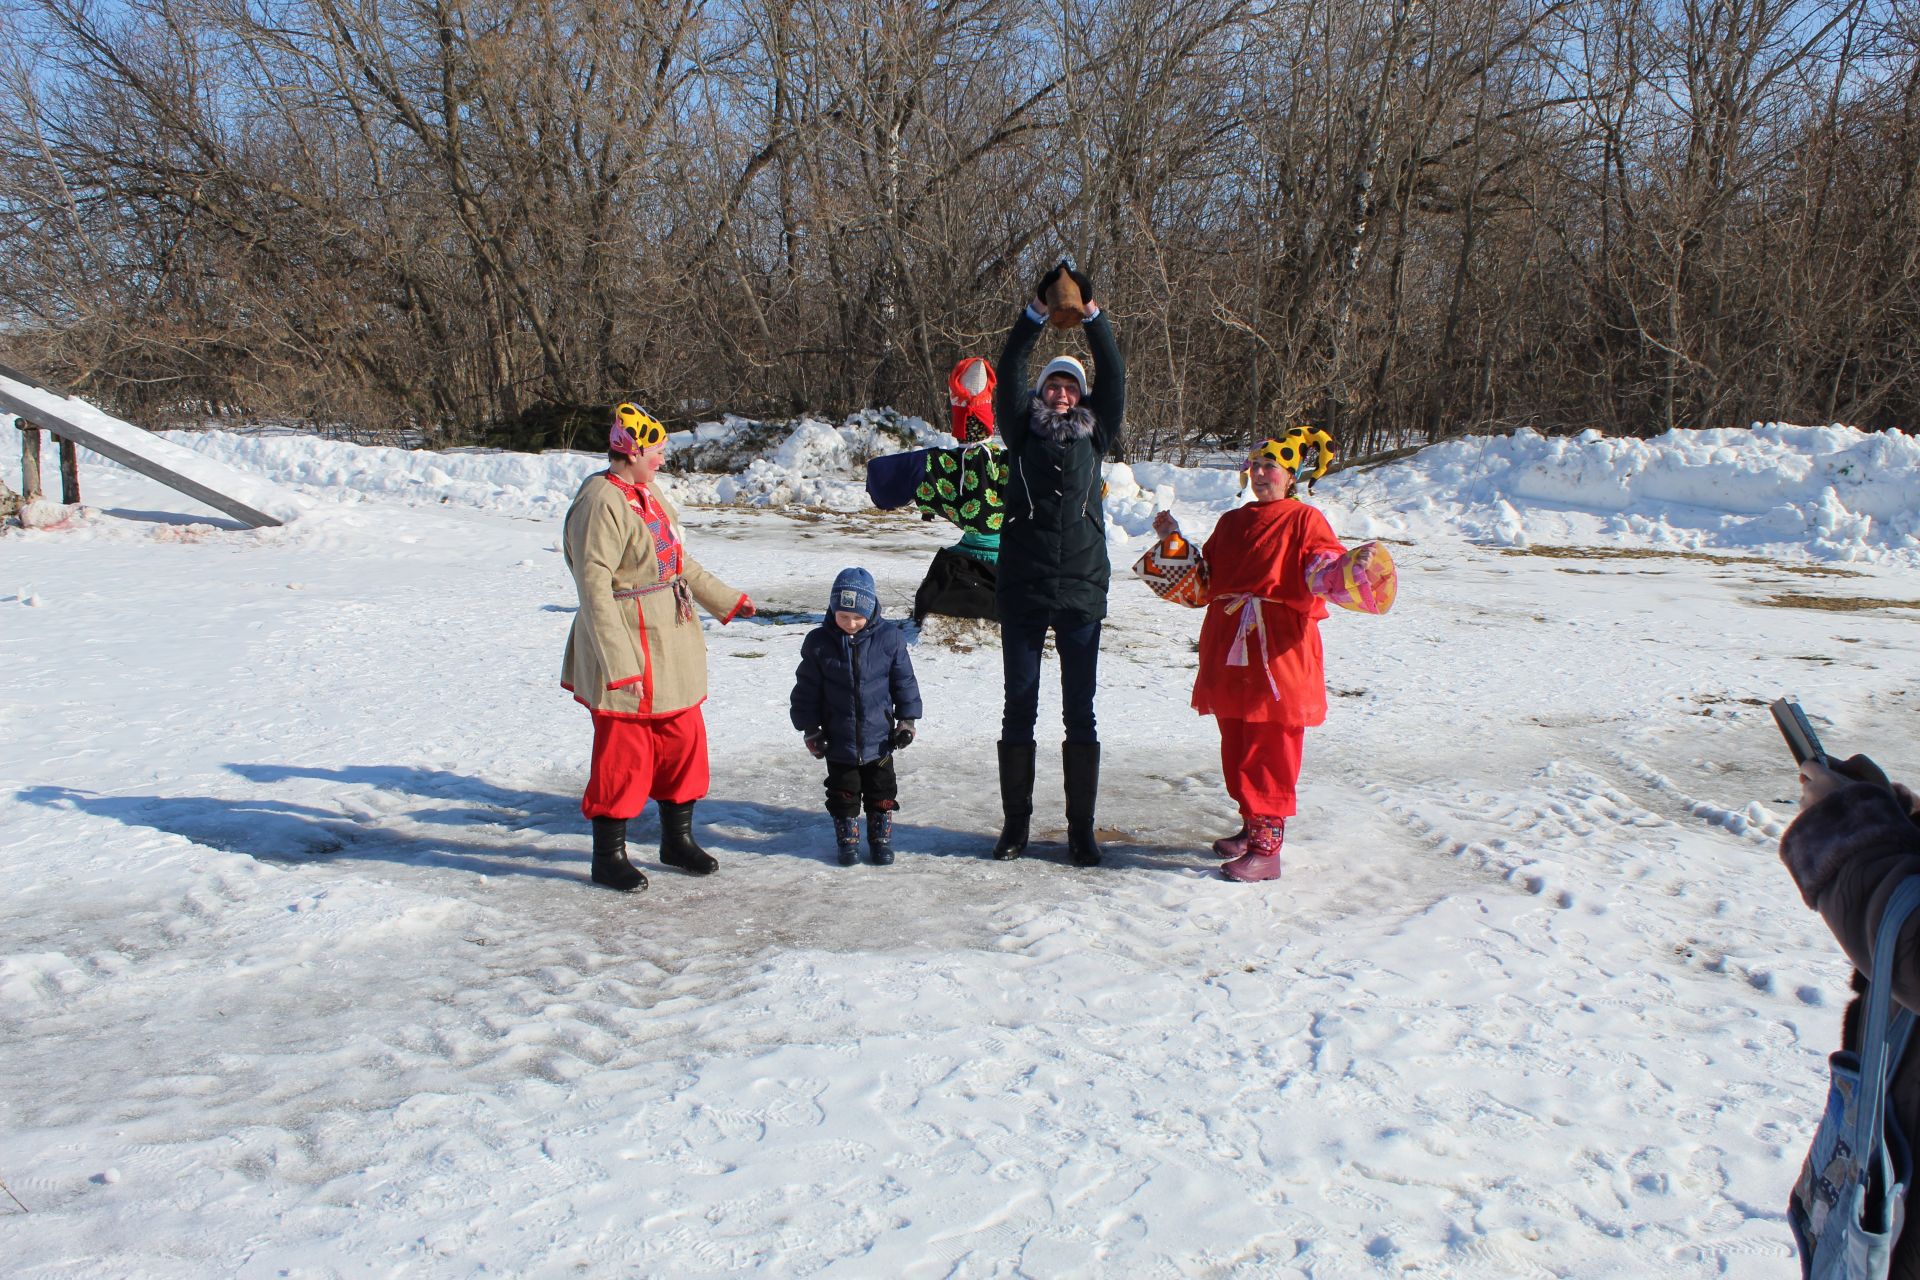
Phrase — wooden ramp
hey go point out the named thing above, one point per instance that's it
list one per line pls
(249, 499)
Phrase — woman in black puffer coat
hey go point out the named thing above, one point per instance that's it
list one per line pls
(1053, 569)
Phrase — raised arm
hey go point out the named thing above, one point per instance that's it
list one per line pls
(1108, 395)
(1010, 376)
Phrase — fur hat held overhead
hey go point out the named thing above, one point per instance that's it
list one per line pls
(1067, 295)
(853, 591)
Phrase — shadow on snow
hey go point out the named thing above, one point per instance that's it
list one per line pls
(504, 830)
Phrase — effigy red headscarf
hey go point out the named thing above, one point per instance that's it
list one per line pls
(970, 392)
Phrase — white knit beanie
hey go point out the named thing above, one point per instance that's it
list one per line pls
(1067, 365)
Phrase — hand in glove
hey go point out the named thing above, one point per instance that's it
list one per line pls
(1046, 282)
(1826, 836)
(902, 734)
(1066, 295)
(817, 743)
(1084, 283)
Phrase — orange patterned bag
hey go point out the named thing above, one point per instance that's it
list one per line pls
(1174, 569)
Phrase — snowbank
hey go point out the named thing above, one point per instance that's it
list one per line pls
(1829, 493)
(217, 481)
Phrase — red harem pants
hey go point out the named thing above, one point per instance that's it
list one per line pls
(663, 758)
(1261, 761)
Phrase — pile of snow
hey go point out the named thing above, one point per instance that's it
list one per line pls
(518, 484)
(1830, 493)
(1833, 493)
(817, 464)
(807, 461)
(44, 513)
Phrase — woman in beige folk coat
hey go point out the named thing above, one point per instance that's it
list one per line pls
(636, 657)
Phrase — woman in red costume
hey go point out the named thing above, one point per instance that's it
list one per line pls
(1271, 566)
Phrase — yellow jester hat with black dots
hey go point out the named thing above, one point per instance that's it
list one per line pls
(1290, 451)
(634, 430)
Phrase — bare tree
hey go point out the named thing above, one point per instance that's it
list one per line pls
(487, 219)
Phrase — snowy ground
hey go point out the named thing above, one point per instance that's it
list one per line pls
(300, 973)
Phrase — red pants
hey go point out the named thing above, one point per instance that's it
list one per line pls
(633, 760)
(1261, 761)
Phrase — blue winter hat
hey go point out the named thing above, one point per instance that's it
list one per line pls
(853, 591)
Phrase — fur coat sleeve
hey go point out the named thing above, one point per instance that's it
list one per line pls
(1850, 851)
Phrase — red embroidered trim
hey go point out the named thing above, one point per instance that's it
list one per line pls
(646, 659)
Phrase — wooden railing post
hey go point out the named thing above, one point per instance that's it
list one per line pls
(69, 472)
(29, 460)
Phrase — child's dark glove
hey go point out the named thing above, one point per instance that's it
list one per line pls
(817, 743)
(902, 734)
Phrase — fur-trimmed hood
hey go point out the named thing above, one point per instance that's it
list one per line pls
(1076, 423)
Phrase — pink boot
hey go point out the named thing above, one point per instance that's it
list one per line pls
(1232, 846)
(1261, 861)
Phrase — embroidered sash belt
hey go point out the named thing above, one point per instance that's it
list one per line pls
(1251, 619)
(682, 596)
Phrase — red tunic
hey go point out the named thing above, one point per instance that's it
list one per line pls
(1262, 550)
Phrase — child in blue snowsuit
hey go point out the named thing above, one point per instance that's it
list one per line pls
(855, 699)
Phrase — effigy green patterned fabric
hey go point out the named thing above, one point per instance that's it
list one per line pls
(966, 486)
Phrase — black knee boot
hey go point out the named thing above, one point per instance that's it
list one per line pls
(677, 845)
(1016, 799)
(610, 865)
(1081, 761)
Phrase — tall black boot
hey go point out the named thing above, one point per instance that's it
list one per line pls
(677, 845)
(1016, 799)
(1081, 761)
(610, 865)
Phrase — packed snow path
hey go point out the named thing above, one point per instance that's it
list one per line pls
(301, 973)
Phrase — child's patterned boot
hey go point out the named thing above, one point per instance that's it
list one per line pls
(1261, 861)
(1232, 846)
(880, 837)
(846, 834)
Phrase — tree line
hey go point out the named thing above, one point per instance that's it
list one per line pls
(486, 220)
